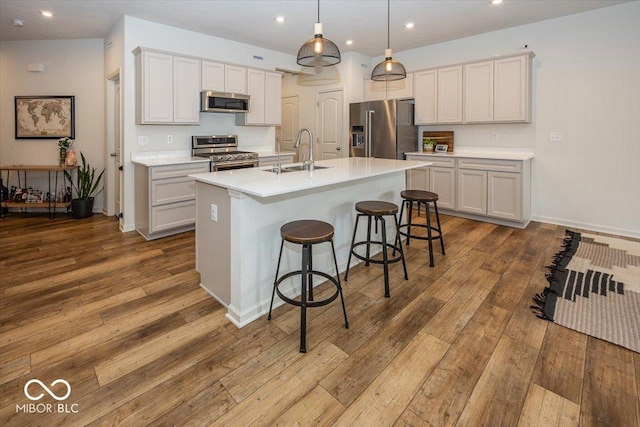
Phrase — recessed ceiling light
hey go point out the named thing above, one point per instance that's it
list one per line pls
(46, 13)
(495, 1)
(18, 22)
(409, 25)
(280, 19)
(349, 42)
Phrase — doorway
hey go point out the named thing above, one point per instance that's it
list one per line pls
(114, 148)
(330, 120)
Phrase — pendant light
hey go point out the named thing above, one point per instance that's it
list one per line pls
(318, 52)
(388, 69)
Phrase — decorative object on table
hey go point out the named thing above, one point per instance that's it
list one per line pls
(63, 146)
(594, 288)
(86, 186)
(71, 159)
(318, 51)
(389, 69)
(44, 117)
(428, 144)
(440, 137)
(441, 148)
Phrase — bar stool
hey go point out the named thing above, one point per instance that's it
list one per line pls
(378, 210)
(421, 197)
(307, 233)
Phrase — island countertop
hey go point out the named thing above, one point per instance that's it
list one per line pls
(262, 183)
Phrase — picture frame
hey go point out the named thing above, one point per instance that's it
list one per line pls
(44, 117)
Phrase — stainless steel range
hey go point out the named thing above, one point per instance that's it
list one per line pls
(223, 152)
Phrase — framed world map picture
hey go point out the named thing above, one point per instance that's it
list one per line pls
(45, 117)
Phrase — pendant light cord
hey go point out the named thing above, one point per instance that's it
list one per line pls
(318, 11)
(388, 24)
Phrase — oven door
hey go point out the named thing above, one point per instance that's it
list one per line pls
(223, 166)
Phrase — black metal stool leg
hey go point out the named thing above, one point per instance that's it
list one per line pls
(344, 309)
(353, 241)
(368, 239)
(273, 293)
(384, 257)
(310, 280)
(435, 206)
(410, 220)
(404, 265)
(303, 299)
(428, 213)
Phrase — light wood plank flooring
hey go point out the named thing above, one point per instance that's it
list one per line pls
(126, 324)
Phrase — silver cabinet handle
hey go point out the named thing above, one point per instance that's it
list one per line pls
(337, 148)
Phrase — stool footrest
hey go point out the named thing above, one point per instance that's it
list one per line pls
(413, 236)
(308, 303)
(377, 261)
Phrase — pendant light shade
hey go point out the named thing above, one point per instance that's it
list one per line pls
(389, 69)
(318, 52)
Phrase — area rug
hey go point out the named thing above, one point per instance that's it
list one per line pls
(594, 288)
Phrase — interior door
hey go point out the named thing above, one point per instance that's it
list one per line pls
(117, 149)
(330, 116)
(290, 123)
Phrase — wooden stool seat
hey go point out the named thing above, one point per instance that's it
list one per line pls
(307, 231)
(376, 208)
(419, 196)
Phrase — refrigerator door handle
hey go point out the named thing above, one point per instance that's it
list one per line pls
(369, 136)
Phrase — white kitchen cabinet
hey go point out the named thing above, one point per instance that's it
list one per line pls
(512, 89)
(395, 89)
(426, 97)
(418, 178)
(220, 77)
(505, 195)
(167, 88)
(265, 90)
(165, 198)
(450, 94)
(442, 181)
(478, 92)
(472, 191)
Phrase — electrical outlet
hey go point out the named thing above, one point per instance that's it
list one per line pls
(556, 136)
(143, 140)
(169, 139)
(214, 212)
(494, 136)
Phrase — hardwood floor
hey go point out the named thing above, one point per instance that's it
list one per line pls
(140, 343)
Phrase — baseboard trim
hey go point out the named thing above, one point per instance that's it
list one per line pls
(591, 227)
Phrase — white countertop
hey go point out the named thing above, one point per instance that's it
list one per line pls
(259, 182)
(481, 153)
(165, 158)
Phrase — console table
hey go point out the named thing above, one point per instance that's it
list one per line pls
(53, 173)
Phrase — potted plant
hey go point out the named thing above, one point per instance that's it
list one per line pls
(86, 187)
(428, 144)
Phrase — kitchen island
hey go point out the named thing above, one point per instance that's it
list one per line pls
(239, 214)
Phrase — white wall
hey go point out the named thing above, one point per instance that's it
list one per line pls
(587, 86)
(71, 67)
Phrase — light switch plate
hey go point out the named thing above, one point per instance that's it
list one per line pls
(556, 136)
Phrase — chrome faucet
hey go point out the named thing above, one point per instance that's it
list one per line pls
(297, 144)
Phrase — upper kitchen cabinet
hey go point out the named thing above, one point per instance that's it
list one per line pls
(265, 89)
(395, 89)
(498, 91)
(438, 96)
(167, 88)
(219, 77)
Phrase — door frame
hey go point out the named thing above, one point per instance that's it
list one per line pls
(111, 192)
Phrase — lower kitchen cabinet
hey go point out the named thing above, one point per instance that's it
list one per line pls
(492, 190)
(166, 198)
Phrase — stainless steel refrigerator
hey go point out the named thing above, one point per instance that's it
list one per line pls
(382, 129)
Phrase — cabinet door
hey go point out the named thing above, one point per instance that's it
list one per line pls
(255, 89)
(212, 76)
(186, 90)
(172, 190)
(272, 98)
(443, 183)
(472, 191)
(478, 92)
(157, 83)
(505, 195)
(418, 179)
(450, 95)
(235, 79)
(426, 97)
(512, 90)
(173, 215)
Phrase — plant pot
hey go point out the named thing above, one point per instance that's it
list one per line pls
(428, 148)
(82, 208)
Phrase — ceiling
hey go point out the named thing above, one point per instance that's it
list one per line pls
(253, 21)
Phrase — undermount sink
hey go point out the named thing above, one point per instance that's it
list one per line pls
(296, 168)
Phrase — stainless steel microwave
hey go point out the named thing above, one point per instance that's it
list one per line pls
(222, 102)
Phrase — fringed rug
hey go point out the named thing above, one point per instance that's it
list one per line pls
(594, 288)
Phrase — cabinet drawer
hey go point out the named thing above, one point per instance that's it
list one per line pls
(441, 163)
(172, 216)
(491, 165)
(172, 171)
(172, 190)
